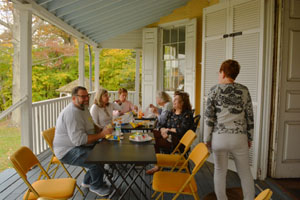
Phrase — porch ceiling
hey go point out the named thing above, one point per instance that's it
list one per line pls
(97, 21)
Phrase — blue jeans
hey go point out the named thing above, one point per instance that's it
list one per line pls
(77, 157)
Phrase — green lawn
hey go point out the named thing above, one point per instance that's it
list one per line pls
(10, 141)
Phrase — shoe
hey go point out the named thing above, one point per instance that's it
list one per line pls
(84, 185)
(102, 191)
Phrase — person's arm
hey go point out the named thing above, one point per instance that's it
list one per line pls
(209, 118)
(185, 124)
(249, 119)
(116, 106)
(95, 115)
(94, 137)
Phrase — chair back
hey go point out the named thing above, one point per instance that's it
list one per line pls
(188, 139)
(49, 136)
(23, 160)
(196, 122)
(198, 155)
(264, 195)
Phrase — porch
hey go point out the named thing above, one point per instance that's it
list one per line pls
(13, 187)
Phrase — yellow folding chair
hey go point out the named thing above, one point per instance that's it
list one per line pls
(23, 160)
(264, 195)
(179, 182)
(176, 159)
(49, 137)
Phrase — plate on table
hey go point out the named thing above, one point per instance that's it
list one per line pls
(140, 137)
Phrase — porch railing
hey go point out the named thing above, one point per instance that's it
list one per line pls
(45, 113)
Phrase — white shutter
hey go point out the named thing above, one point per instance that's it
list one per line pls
(213, 48)
(190, 60)
(149, 68)
(244, 16)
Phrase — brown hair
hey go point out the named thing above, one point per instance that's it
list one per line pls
(98, 97)
(185, 97)
(164, 96)
(231, 68)
(76, 89)
(122, 90)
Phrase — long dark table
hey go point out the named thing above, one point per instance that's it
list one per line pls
(134, 155)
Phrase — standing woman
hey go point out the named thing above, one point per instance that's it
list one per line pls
(102, 110)
(165, 102)
(228, 128)
(178, 122)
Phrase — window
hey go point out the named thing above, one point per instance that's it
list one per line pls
(173, 58)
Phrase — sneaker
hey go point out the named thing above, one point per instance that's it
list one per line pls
(84, 185)
(102, 191)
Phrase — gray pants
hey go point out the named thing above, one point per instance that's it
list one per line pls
(237, 145)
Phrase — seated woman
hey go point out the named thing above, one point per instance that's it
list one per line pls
(165, 102)
(178, 122)
(102, 110)
(126, 106)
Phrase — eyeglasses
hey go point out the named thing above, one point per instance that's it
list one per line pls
(84, 96)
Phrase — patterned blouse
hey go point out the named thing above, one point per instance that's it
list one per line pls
(228, 110)
(182, 122)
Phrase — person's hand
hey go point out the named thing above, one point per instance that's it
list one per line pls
(118, 101)
(164, 132)
(106, 131)
(249, 144)
(154, 110)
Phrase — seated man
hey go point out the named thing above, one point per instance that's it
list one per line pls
(74, 134)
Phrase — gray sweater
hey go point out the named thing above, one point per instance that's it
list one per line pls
(228, 111)
(72, 127)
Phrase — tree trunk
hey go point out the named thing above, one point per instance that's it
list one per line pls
(16, 115)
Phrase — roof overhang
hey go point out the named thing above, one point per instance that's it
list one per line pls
(103, 23)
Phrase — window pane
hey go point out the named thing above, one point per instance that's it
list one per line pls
(166, 36)
(182, 34)
(174, 35)
(181, 50)
(167, 52)
(173, 51)
(181, 67)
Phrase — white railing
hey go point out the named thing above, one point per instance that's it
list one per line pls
(45, 113)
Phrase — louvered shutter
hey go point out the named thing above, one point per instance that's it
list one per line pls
(190, 58)
(245, 17)
(149, 68)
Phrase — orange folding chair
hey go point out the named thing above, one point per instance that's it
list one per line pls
(181, 182)
(264, 195)
(176, 159)
(49, 137)
(24, 160)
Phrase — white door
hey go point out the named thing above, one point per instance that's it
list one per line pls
(190, 59)
(149, 68)
(234, 30)
(286, 154)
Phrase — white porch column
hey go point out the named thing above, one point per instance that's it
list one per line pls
(137, 78)
(97, 63)
(26, 77)
(81, 63)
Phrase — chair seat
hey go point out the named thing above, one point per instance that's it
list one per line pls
(172, 182)
(62, 188)
(169, 160)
